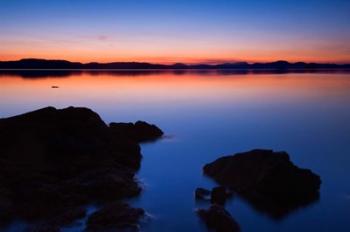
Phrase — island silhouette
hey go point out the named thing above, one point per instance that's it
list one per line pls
(64, 64)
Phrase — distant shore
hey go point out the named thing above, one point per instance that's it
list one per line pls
(42, 64)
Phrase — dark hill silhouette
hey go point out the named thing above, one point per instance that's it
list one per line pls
(63, 64)
(40, 64)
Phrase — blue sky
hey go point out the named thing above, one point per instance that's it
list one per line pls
(172, 31)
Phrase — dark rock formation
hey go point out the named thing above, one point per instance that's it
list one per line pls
(140, 131)
(114, 216)
(218, 219)
(219, 195)
(53, 162)
(202, 194)
(43, 228)
(267, 179)
(54, 223)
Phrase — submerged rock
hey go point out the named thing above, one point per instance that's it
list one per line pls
(218, 219)
(202, 194)
(114, 216)
(54, 161)
(267, 179)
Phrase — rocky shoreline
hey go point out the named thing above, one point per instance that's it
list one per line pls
(56, 162)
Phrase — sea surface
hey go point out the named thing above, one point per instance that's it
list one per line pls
(205, 115)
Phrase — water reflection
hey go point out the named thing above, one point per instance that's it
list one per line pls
(68, 73)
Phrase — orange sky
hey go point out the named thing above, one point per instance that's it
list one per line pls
(91, 55)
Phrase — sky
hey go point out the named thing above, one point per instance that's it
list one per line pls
(161, 31)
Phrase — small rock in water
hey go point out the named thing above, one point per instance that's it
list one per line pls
(139, 131)
(202, 194)
(267, 179)
(54, 87)
(218, 219)
(219, 195)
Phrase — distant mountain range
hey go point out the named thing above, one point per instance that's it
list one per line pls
(63, 64)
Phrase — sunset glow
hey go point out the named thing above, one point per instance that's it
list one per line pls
(182, 31)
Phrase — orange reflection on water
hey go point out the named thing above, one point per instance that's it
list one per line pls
(166, 89)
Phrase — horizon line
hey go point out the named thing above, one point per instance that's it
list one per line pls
(182, 63)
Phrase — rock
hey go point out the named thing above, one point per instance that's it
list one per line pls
(68, 217)
(42, 228)
(54, 224)
(53, 162)
(202, 194)
(5, 203)
(114, 216)
(219, 195)
(218, 219)
(140, 131)
(106, 184)
(267, 179)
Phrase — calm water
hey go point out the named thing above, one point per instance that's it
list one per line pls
(206, 115)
